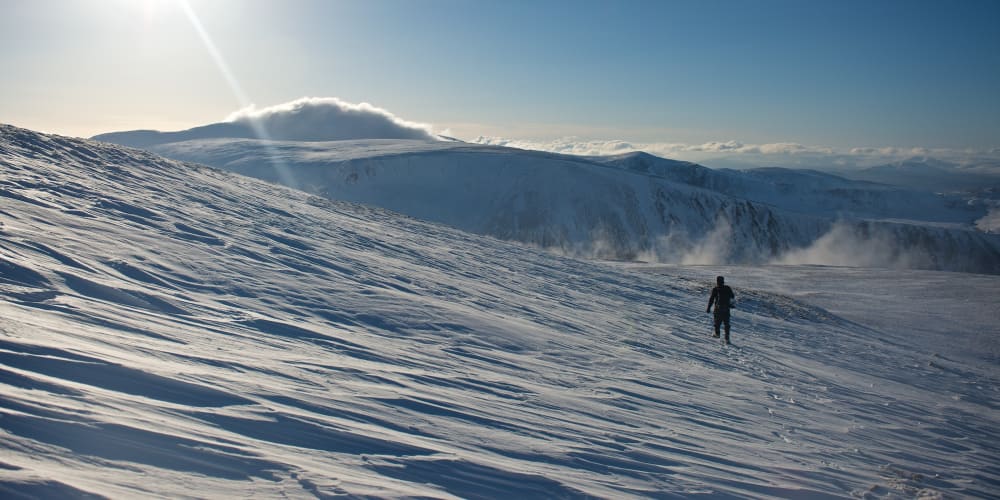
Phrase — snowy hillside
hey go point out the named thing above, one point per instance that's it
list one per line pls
(169, 330)
(809, 191)
(553, 201)
(583, 207)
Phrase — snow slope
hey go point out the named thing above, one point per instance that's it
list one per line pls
(589, 208)
(554, 201)
(809, 191)
(170, 330)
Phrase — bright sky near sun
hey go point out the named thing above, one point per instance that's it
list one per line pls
(840, 73)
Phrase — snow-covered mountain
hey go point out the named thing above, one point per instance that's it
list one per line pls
(305, 119)
(931, 174)
(809, 191)
(171, 330)
(623, 208)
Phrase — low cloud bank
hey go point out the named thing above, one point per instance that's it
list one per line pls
(738, 154)
(329, 119)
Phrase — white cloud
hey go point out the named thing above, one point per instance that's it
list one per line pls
(887, 151)
(566, 145)
(328, 119)
(740, 154)
(573, 145)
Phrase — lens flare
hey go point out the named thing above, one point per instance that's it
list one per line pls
(282, 169)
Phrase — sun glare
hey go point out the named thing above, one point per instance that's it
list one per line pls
(220, 62)
(149, 9)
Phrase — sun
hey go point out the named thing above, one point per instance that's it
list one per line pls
(152, 9)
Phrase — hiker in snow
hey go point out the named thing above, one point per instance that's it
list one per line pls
(722, 297)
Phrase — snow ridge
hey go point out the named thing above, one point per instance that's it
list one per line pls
(634, 207)
(808, 191)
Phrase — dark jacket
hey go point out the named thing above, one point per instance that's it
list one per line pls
(722, 297)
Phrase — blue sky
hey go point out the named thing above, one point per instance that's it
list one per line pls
(841, 74)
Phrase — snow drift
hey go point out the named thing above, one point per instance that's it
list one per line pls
(169, 329)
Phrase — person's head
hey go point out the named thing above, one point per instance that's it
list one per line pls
(720, 281)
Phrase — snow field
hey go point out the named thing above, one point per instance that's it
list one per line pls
(169, 330)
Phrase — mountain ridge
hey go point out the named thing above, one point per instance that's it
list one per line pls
(928, 173)
(604, 208)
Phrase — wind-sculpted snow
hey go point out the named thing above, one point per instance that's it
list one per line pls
(171, 330)
(634, 207)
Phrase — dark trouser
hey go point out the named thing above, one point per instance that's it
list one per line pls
(720, 318)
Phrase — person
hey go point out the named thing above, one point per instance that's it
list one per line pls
(722, 297)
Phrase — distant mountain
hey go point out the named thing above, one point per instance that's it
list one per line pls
(147, 138)
(305, 119)
(565, 203)
(928, 174)
(808, 191)
(239, 130)
(635, 207)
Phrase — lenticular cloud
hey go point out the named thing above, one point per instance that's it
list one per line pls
(329, 119)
